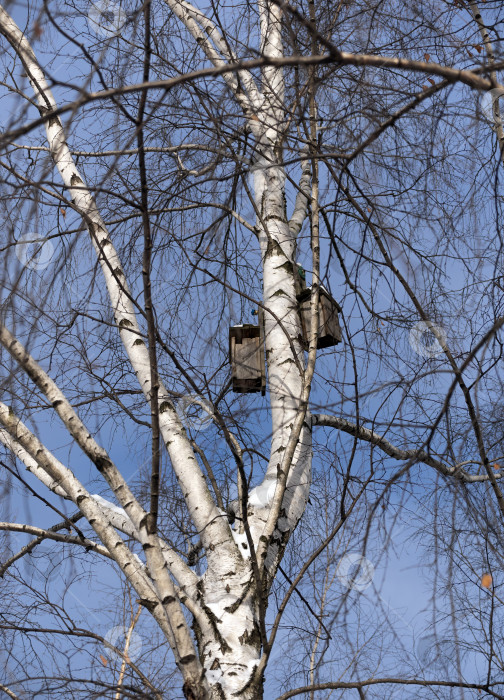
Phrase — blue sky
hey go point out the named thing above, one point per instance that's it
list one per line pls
(401, 591)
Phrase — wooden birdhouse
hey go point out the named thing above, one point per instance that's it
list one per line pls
(329, 331)
(246, 355)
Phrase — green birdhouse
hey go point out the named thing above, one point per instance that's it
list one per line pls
(299, 280)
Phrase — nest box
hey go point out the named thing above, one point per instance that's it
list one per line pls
(329, 331)
(246, 355)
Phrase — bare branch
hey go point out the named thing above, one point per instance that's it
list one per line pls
(56, 536)
(410, 455)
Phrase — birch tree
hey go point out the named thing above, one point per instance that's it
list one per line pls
(168, 168)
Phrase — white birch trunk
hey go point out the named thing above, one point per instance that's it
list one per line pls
(230, 661)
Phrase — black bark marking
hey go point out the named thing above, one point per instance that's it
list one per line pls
(101, 463)
(274, 249)
(274, 217)
(55, 121)
(189, 658)
(214, 621)
(252, 638)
